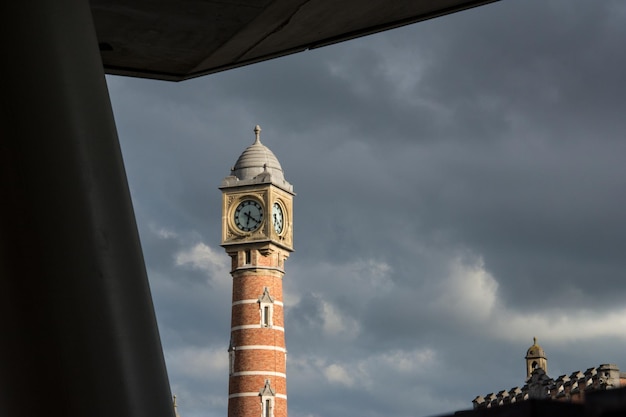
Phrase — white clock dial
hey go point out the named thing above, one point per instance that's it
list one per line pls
(248, 215)
(278, 219)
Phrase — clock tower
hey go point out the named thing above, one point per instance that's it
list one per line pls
(257, 234)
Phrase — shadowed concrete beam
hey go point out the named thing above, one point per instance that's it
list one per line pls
(78, 330)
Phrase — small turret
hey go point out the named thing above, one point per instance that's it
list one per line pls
(535, 358)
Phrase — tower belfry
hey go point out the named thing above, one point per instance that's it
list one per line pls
(257, 233)
(535, 358)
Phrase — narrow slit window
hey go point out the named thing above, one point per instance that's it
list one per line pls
(248, 257)
(266, 316)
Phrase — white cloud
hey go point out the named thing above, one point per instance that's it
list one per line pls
(336, 374)
(163, 233)
(201, 257)
(334, 323)
(469, 292)
(562, 327)
(197, 362)
(362, 372)
(414, 361)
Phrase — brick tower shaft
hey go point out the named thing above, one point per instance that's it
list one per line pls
(257, 354)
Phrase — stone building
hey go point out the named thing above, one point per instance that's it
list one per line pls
(567, 388)
(257, 233)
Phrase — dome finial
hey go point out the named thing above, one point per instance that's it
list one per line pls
(534, 340)
(257, 132)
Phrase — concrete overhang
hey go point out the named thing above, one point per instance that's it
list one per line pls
(180, 39)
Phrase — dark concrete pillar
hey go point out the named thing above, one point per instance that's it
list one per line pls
(78, 334)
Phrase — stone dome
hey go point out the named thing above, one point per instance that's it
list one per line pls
(535, 351)
(257, 159)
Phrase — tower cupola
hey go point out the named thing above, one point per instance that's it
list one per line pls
(257, 164)
(535, 358)
(256, 159)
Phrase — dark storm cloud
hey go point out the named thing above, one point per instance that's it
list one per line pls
(550, 184)
(543, 61)
(460, 188)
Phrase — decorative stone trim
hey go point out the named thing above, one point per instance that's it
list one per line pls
(259, 267)
(254, 301)
(262, 347)
(268, 373)
(256, 326)
(266, 308)
(267, 395)
(254, 394)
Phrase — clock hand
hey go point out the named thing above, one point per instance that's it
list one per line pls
(250, 217)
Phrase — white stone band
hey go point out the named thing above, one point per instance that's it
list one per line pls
(256, 326)
(263, 373)
(254, 394)
(267, 268)
(261, 347)
(254, 301)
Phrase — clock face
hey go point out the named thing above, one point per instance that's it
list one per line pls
(277, 218)
(248, 215)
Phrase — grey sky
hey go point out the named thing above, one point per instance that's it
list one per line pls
(460, 189)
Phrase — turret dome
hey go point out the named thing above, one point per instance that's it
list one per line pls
(257, 165)
(535, 351)
(257, 159)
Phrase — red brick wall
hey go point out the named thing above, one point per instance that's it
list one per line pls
(249, 283)
(260, 360)
(254, 383)
(251, 407)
